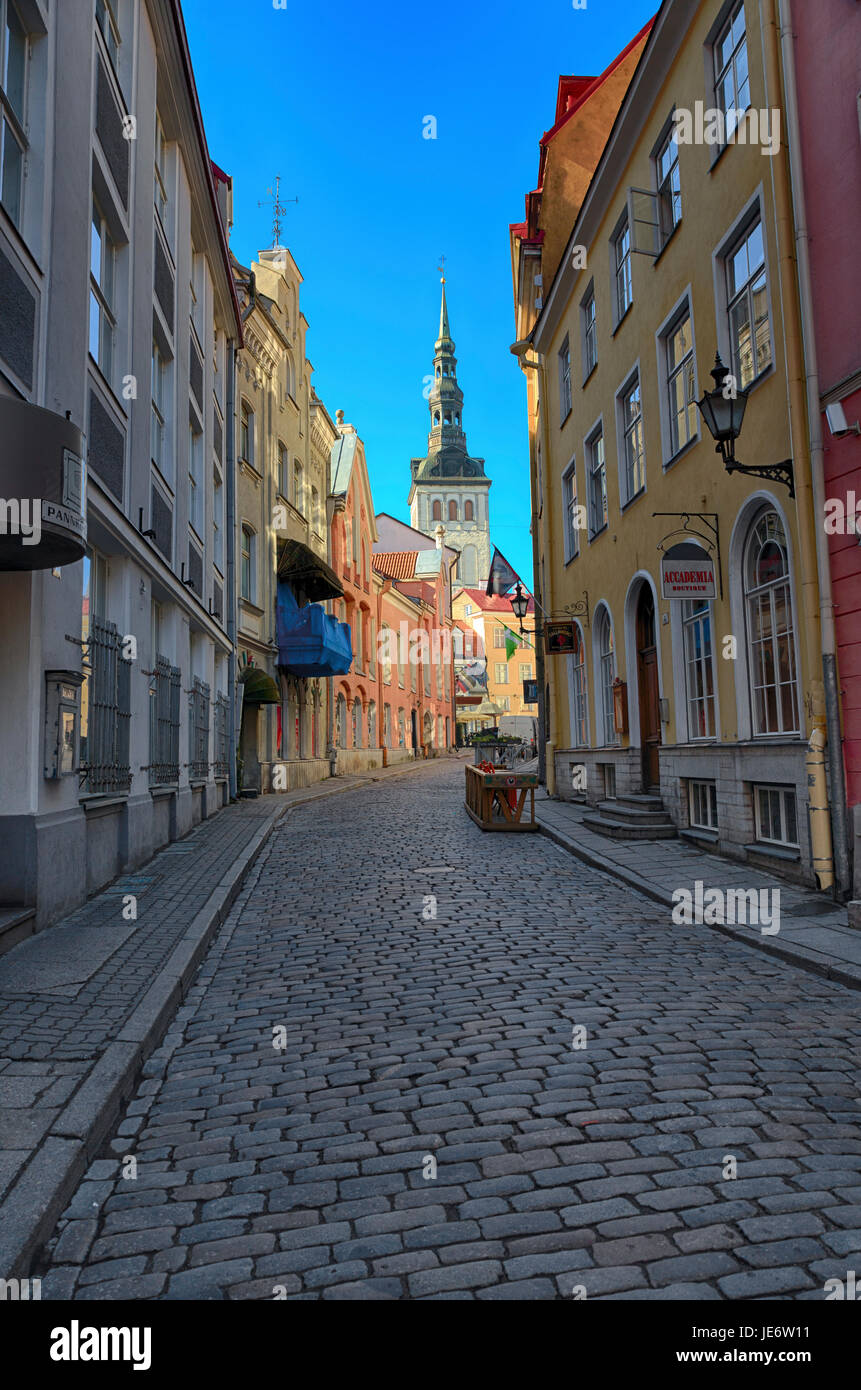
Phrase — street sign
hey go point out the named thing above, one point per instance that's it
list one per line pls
(559, 637)
(530, 692)
(688, 578)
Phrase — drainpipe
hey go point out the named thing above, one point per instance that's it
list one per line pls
(833, 745)
(230, 569)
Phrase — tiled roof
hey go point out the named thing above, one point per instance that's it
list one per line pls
(397, 564)
(495, 603)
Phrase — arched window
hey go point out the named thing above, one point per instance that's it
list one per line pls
(606, 674)
(447, 418)
(402, 729)
(289, 376)
(452, 511)
(468, 513)
(428, 728)
(357, 723)
(341, 711)
(372, 725)
(699, 667)
(436, 417)
(770, 628)
(457, 419)
(577, 691)
(298, 498)
(439, 731)
(386, 641)
(248, 565)
(437, 511)
(387, 726)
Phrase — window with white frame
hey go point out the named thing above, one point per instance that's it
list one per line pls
(578, 691)
(590, 333)
(248, 565)
(159, 410)
(500, 673)
(570, 512)
(217, 521)
(499, 637)
(103, 322)
(732, 78)
(633, 446)
(702, 805)
(160, 178)
(747, 306)
(195, 478)
(770, 628)
(669, 184)
(504, 702)
(246, 433)
(14, 55)
(606, 676)
(564, 381)
(283, 473)
(597, 482)
(623, 284)
(678, 343)
(196, 292)
(776, 816)
(699, 668)
(525, 670)
(107, 21)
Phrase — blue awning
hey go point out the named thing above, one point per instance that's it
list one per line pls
(310, 642)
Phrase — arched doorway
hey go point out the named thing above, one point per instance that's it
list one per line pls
(415, 731)
(647, 681)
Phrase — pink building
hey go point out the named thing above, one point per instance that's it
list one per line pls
(827, 62)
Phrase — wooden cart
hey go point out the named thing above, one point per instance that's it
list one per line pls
(497, 800)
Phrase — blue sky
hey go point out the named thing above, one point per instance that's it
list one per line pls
(332, 96)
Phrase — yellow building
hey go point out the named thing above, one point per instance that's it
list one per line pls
(509, 657)
(680, 247)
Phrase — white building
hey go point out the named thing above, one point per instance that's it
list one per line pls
(116, 306)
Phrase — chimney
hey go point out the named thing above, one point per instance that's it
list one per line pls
(440, 536)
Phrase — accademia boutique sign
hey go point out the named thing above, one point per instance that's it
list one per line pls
(42, 488)
(686, 577)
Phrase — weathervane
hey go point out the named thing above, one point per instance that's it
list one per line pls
(278, 208)
(441, 268)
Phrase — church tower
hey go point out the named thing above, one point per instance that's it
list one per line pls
(448, 487)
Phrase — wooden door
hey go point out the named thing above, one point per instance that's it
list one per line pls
(647, 679)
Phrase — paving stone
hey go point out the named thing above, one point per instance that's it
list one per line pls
(759, 1282)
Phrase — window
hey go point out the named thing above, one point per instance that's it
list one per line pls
(747, 304)
(570, 512)
(283, 473)
(217, 522)
(597, 483)
(452, 511)
(437, 511)
(699, 668)
(770, 629)
(157, 448)
(106, 20)
(499, 637)
(467, 609)
(590, 333)
(606, 677)
(622, 269)
(372, 725)
(500, 673)
(13, 110)
(732, 80)
(248, 565)
(468, 511)
(387, 726)
(702, 805)
(196, 292)
(355, 531)
(387, 638)
(633, 449)
(102, 293)
(525, 671)
(776, 820)
(357, 723)
(564, 382)
(402, 735)
(106, 694)
(160, 176)
(504, 702)
(669, 185)
(289, 377)
(298, 497)
(195, 480)
(577, 690)
(341, 721)
(246, 433)
(681, 384)
(315, 511)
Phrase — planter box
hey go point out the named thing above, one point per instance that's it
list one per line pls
(497, 800)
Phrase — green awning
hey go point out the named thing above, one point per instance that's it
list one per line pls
(260, 688)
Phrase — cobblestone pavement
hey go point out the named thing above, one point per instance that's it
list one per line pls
(305, 1172)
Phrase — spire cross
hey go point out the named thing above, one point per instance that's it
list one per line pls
(441, 268)
(278, 208)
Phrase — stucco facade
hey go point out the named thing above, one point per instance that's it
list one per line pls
(708, 703)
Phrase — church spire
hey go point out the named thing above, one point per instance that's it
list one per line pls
(444, 331)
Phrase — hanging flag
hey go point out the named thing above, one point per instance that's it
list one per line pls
(511, 645)
(502, 577)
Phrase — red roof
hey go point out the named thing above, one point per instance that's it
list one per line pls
(493, 603)
(396, 564)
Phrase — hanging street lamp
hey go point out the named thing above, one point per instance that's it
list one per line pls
(520, 605)
(723, 410)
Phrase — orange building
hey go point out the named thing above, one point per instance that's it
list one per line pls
(397, 700)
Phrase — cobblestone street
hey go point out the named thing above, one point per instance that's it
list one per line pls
(559, 1171)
